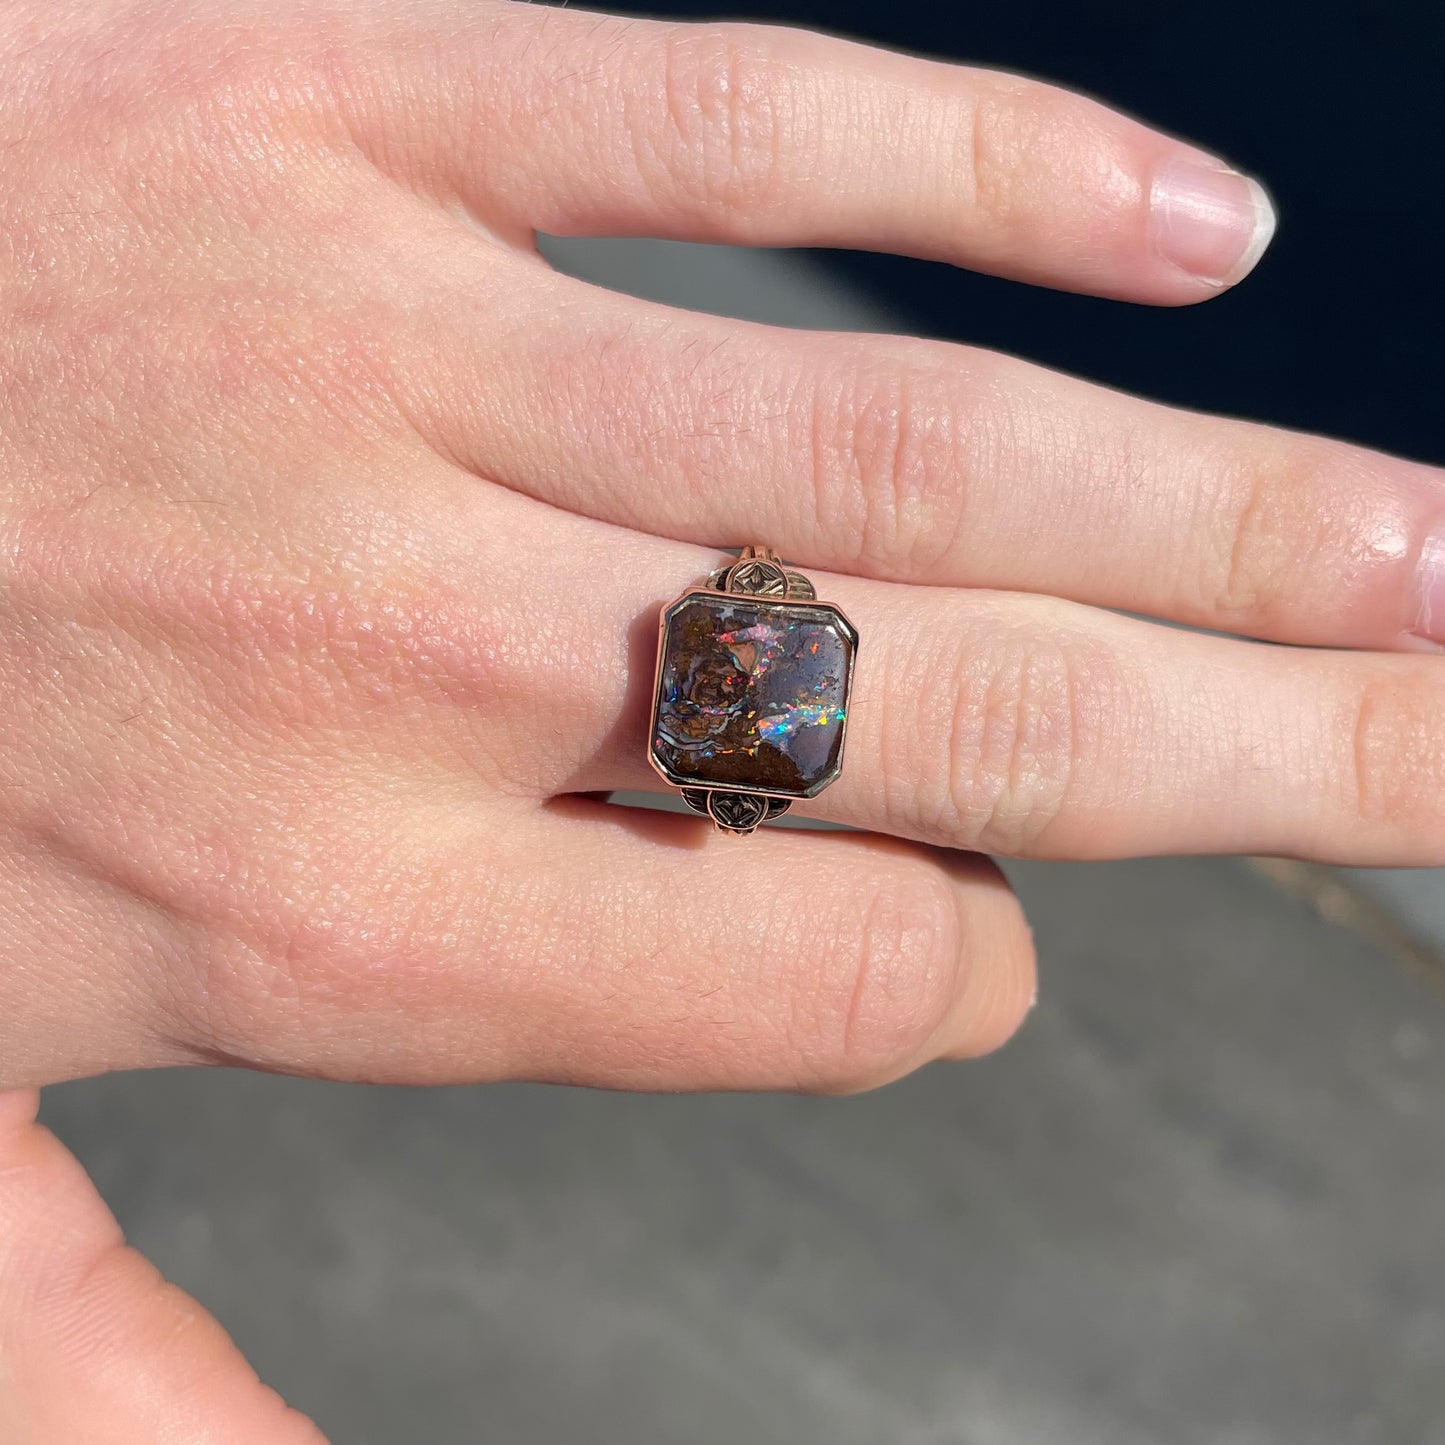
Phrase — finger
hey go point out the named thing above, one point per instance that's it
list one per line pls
(576, 123)
(582, 943)
(96, 1346)
(599, 945)
(1009, 723)
(931, 463)
(1030, 726)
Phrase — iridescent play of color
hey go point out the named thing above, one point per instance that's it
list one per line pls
(752, 693)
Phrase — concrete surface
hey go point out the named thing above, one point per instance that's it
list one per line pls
(1416, 898)
(1200, 1202)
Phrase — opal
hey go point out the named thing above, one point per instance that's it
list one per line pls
(752, 693)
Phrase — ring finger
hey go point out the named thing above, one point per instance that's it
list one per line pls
(1031, 726)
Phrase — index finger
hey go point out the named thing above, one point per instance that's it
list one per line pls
(760, 135)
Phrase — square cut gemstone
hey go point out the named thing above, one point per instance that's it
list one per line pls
(752, 693)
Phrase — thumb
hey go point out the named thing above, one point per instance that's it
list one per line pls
(95, 1347)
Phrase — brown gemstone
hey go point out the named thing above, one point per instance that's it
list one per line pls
(752, 693)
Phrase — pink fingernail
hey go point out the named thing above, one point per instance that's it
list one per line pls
(1430, 580)
(1208, 220)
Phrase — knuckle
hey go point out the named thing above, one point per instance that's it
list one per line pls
(157, 58)
(997, 141)
(210, 108)
(1267, 549)
(337, 934)
(889, 467)
(730, 104)
(269, 364)
(322, 943)
(97, 550)
(1398, 752)
(1016, 728)
(891, 987)
(337, 365)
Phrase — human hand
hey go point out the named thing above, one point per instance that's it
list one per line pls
(335, 526)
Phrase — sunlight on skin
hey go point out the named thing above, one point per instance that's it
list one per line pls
(336, 525)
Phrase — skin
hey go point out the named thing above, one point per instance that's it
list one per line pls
(334, 527)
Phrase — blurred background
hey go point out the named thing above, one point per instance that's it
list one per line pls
(1202, 1199)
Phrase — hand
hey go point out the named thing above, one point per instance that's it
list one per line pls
(335, 526)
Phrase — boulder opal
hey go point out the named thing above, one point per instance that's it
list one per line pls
(752, 694)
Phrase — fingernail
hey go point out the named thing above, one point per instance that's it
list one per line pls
(1209, 220)
(1430, 596)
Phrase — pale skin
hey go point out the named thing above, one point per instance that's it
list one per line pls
(335, 526)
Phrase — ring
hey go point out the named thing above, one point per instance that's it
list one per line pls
(750, 707)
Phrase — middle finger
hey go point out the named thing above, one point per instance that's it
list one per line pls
(934, 463)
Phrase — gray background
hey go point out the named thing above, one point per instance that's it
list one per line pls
(1201, 1199)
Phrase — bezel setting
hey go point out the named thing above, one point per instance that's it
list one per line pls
(762, 669)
